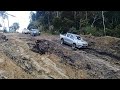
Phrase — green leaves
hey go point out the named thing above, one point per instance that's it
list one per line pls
(14, 27)
(57, 22)
(76, 21)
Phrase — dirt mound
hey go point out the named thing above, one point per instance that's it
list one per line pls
(46, 46)
(9, 70)
(96, 68)
(106, 45)
(53, 60)
(31, 63)
(2, 37)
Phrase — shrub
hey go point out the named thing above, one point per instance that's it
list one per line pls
(89, 30)
(73, 30)
(57, 22)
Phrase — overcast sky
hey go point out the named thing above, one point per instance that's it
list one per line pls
(22, 17)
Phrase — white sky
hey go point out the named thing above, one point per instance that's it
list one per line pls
(22, 17)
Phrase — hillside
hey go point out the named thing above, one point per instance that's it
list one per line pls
(19, 60)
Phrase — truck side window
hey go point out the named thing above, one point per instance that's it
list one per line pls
(78, 37)
(68, 35)
(72, 37)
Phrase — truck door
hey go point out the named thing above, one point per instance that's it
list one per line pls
(71, 39)
(67, 38)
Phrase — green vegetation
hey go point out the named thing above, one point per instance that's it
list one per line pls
(97, 23)
(14, 27)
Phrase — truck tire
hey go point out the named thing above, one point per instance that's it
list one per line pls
(62, 41)
(74, 46)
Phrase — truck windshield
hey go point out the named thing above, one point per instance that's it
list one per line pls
(34, 30)
(78, 37)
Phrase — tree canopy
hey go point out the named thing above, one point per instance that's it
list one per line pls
(97, 23)
(14, 26)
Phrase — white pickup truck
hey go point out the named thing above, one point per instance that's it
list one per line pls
(74, 40)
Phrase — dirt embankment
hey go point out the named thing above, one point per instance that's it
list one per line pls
(33, 65)
(8, 68)
(94, 66)
(104, 45)
(52, 60)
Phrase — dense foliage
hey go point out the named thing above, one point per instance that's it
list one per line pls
(97, 23)
(14, 27)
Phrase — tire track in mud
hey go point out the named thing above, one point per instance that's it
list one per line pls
(96, 67)
(28, 65)
(92, 66)
(99, 54)
(91, 51)
(112, 60)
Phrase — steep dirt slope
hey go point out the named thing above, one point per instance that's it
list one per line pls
(59, 62)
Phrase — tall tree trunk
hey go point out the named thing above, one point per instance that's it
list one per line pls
(103, 22)
(93, 21)
(75, 19)
(3, 19)
(86, 14)
(57, 13)
(80, 24)
(112, 20)
(8, 23)
(3, 23)
(74, 15)
(48, 19)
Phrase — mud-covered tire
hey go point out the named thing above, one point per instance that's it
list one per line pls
(74, 46)
(62, 41)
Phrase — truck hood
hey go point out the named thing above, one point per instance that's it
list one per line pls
(82, 41)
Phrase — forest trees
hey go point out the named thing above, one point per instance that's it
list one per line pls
(14, 27)
(97, 23)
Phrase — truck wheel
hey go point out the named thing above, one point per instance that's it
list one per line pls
(73, 46)
(62, 41)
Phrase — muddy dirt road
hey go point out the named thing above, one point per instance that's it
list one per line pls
(60, 62)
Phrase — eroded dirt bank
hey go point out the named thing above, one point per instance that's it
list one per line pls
(49, 60)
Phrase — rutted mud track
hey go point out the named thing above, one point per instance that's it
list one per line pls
(84, 63)
(98, 53)
(78, 60)
(93, 51)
